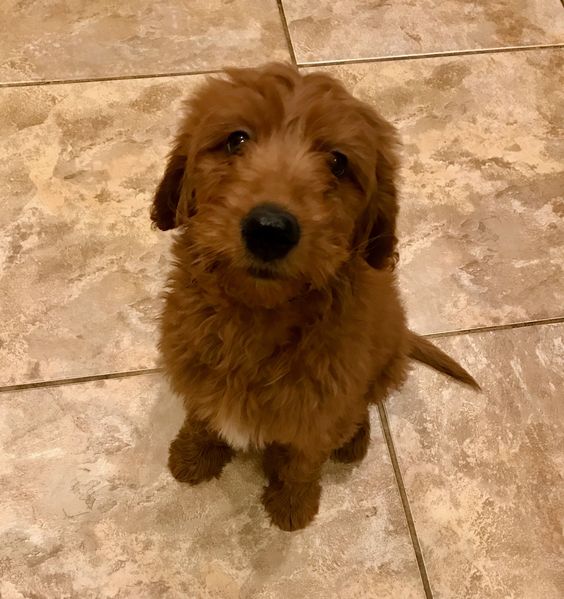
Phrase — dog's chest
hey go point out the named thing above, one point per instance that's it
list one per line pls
(237, 434)
(262, 378)
(249, 344)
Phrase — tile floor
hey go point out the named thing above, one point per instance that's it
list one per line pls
(461, 495)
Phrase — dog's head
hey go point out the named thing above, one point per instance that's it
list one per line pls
(278, 179)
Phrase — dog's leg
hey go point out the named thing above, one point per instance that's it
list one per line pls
(275, 456)
(197, 454)
(355, 449)
(292, 495)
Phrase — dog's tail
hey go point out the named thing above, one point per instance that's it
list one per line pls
(424, 351)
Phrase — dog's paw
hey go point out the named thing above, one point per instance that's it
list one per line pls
(291, 506)
(355, 449)
(193, 464)
(274, 458)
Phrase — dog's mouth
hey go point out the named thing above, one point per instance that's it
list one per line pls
(261, 272)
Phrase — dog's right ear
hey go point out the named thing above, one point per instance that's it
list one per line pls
(167, 196)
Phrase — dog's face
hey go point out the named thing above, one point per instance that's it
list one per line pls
(277, 179)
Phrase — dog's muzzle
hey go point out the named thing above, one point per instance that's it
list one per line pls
(270, 232)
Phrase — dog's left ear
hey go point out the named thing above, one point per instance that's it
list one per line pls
(169, 190)
(380, 249)
(375, 233)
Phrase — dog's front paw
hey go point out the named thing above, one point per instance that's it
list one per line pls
(291, 506)
(193, 463)
(274, 458)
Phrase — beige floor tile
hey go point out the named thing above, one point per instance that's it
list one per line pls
(484, 473)
(89, 510)
(81, 270)
(481, 237)
(357, 29)
(73, 39)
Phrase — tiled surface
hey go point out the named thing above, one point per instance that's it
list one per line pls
(485, 473)
(81, 269)
(481, 239)
(88, 510)
(360, 29)
(73, 39)
(481, 205)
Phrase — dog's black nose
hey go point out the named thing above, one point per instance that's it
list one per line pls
(269, 232)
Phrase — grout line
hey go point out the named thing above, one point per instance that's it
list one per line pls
(404, 500)
(326, 63)
(391, 58)
(79, 379)
(109, 78)
(130, 373)
(496, 327)
(286, 31)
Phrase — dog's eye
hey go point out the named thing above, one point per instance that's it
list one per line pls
(338, 164)
(235, 141)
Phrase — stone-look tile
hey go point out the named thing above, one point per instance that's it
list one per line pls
(89, 510)
(81, 269)
(484, 473)
(356, 29)
(481, 235)
(72, 39)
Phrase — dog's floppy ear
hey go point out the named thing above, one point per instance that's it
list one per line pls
(167, 196)
(375, 233)
(380, 250)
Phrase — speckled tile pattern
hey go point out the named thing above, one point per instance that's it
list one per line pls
(73, 39)
(78, 205)
(484, 473)
(359, 29)
(89, 510)
(82, 271)
(482, 204)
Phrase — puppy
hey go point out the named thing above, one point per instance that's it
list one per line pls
(282, 321)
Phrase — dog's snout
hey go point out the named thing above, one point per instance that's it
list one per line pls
(270, 232)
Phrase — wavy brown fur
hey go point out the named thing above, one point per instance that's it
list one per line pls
(289, 363)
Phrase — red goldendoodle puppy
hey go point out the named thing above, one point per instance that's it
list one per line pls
(282, 320)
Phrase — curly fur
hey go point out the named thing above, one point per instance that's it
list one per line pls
(289, 363)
